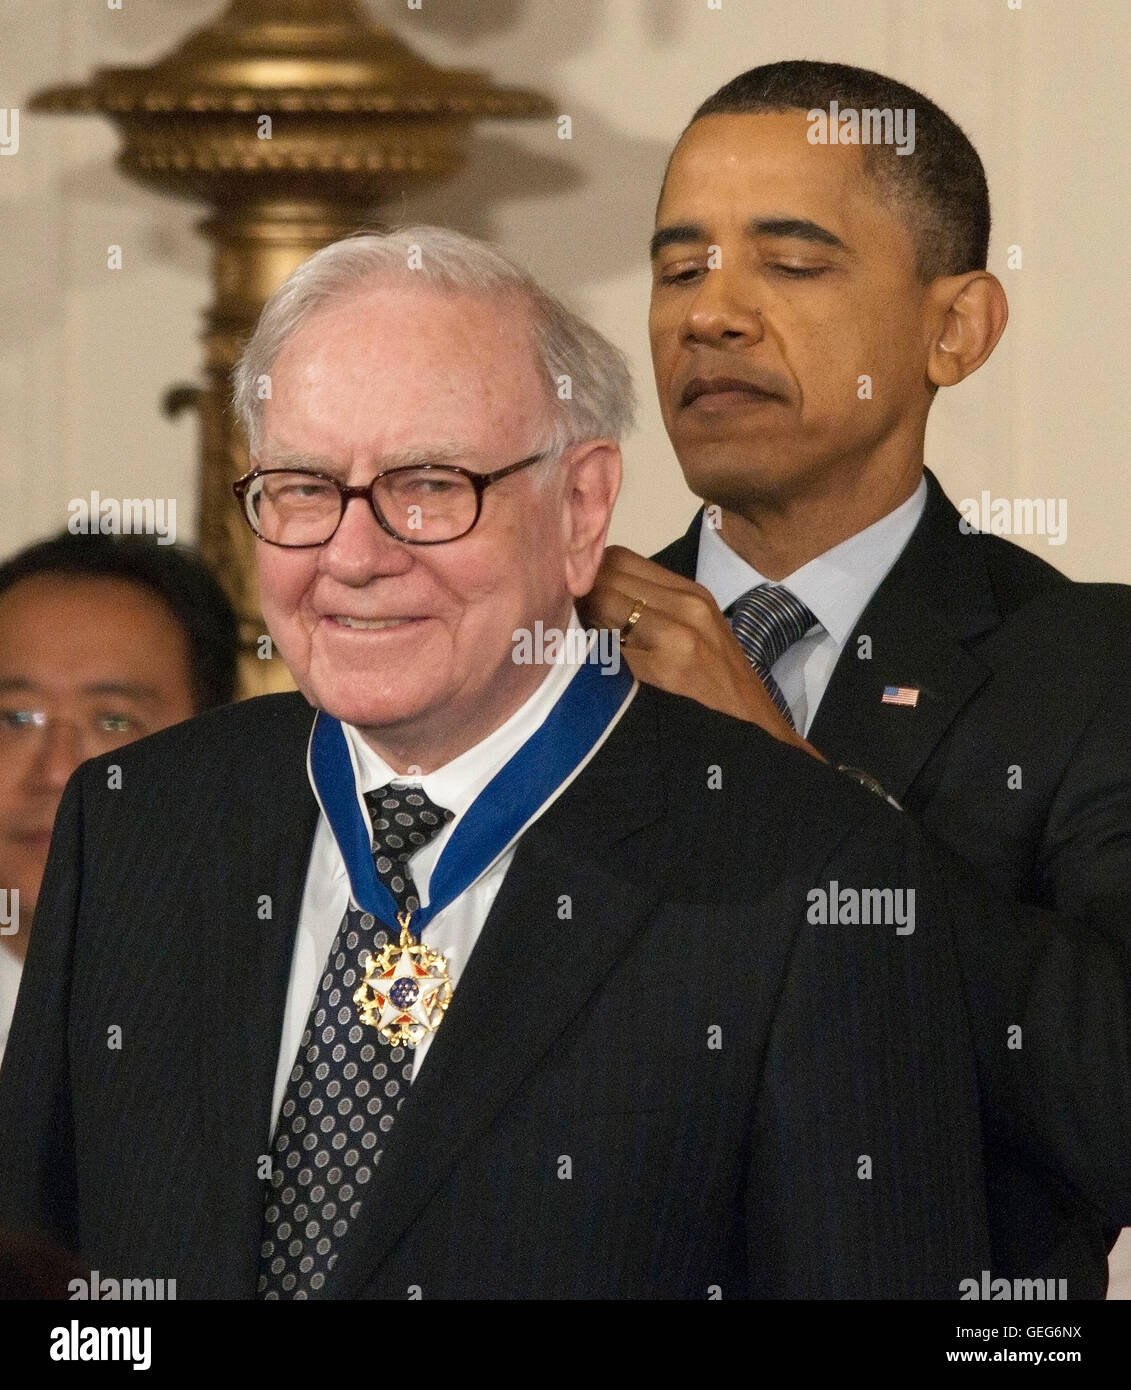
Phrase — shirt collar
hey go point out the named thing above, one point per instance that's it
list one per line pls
(836, 586)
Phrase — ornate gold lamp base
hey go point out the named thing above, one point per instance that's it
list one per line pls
(293, 120)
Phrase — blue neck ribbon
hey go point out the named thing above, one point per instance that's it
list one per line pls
(515, 796)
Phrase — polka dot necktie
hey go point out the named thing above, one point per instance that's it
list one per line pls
(346, 1085)
(404, 820)
(767, 620)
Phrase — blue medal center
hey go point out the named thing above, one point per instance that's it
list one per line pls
(404, 993)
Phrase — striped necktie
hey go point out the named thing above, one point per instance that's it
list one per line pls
(767, 620)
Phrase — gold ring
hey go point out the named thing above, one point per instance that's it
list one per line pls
(638, 607)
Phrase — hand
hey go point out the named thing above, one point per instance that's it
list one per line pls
(681, 643)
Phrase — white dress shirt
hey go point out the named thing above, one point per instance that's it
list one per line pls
(836, 587)
(453, 931)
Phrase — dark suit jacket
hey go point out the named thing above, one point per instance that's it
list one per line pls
(657, 1077)
(674, 1084)
(1023, 679)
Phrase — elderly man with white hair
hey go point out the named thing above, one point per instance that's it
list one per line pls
(462, 975)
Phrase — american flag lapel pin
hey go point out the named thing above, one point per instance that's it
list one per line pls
(900, 695)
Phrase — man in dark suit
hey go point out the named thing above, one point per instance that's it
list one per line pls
(810, 296)
(707, 1036)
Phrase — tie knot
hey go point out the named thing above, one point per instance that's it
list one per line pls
(767, 620)
(404, 820)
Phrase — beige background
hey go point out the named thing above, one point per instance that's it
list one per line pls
(86, 352)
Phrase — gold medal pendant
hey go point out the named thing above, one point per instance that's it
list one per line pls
(405, 990)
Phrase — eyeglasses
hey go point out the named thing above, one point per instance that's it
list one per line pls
(421, 504)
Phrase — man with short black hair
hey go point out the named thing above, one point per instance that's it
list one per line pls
(814, 285)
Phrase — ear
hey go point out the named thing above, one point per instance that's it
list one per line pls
(971, 311)
(593, 474)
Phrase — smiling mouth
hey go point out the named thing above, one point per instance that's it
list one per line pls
(369, 624)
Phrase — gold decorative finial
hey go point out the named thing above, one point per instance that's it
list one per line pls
(293, 120)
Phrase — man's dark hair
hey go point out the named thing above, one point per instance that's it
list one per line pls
(178, 576)
(941, 185)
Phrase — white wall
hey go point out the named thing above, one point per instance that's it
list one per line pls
(86, 353)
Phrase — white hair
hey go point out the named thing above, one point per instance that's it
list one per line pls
(577, 362)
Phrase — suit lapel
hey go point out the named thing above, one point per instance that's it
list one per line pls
(911, 648)
(248, 972)
(935, 600)
(475, 1063)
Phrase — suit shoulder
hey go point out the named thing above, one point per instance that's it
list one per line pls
(1088, 622)
(1089, 601)
(1036, 610)
(1021, 578)
(748, 815)
(765, 776)
(1016, 573)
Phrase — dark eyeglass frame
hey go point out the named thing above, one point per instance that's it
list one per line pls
(480, 481)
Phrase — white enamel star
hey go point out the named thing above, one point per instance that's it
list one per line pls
(423, 998)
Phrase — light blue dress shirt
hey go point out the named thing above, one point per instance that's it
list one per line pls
(836, 587)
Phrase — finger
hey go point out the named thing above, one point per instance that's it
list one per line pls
(669, 613)
(659, 586)
(622, 565)
(613, 604)
(610, 602)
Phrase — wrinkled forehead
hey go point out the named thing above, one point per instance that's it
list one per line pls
(397, 364)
